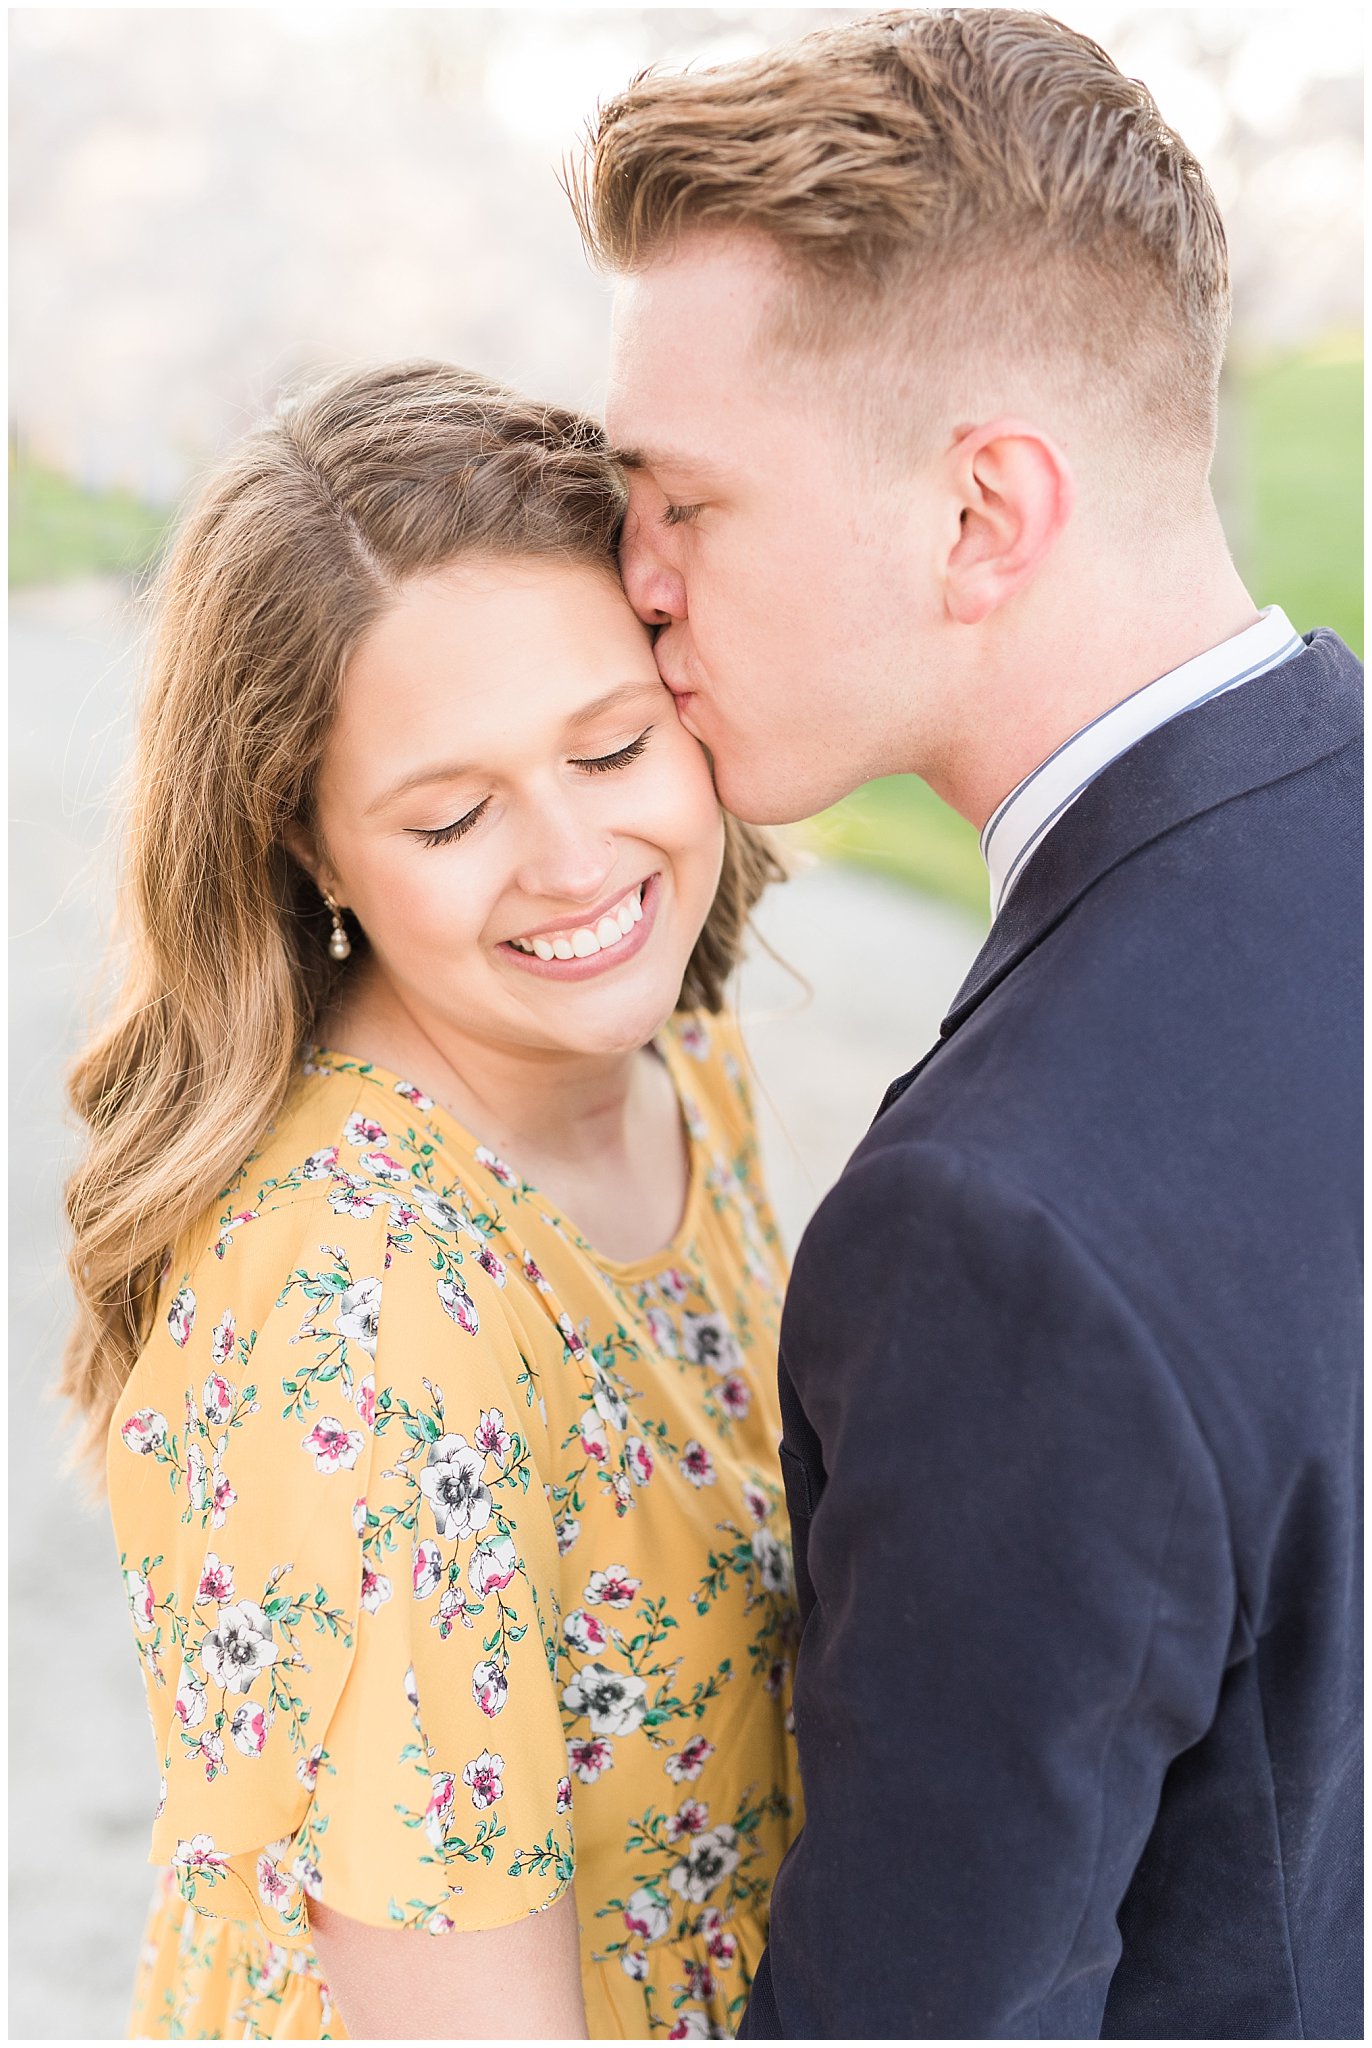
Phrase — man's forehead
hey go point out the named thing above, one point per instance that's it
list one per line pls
(685, 341)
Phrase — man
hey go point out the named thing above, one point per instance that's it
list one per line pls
(918, 333)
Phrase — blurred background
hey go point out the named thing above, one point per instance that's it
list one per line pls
(206, 203)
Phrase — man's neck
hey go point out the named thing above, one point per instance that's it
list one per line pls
(1074, 654)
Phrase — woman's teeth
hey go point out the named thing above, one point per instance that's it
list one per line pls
(586, 939)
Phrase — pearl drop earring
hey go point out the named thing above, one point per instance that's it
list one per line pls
(340, 945)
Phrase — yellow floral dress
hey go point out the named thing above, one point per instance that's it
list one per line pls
(458, 1565)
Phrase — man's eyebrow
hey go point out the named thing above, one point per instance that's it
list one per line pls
(455, 771)
(673, 459)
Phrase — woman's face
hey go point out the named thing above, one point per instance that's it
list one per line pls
(509, 806)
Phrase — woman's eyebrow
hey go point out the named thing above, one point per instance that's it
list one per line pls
(455, 771)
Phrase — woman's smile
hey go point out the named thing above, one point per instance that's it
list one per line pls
(578, 949)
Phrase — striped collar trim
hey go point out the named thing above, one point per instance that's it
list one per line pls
(1016, 829)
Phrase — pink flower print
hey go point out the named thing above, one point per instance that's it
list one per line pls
(722, 1945)
(623, 1493)
(320, 1164)
(273, 1885)
(634, 1964)
(564, 1795)
(694, 1038)
(583, 1631)
(567, 1529)
(491, 1435)
(489, 1263)
(381, 1166)
(217, 1397)
(614, 1586)
(662, 1330)
(216, 1580)
(376, 1589)
(452, 1607)
(199, 1853)
(490, 1687)
(189, 1707)
(700, 1980)
(689, 1819)
(776, 1677)
(209, 1751)
(403, 1216)
(637, 1460)
(735, 1396)
(360, 1516)
(496, 1168)
(428, 1568)
(225, 1336)
(364, 1400)
(674, 1284)
(141, 1603)
(647, 1914)
(360, 1130)
(333, 1448)
(696, 1464)
(181, 1316)
(756, 1501)
(352, 1197)
(459, 1305)
(589, 1758)
(594, 1440)
(249, 1729)
(144, 1431)
(483, 1776)
(416, 1097)
(689, 1761)
(438, 1923)
(493, 1565)
(307, 1770)
(533, 1275)
(571, 1336)
(222, 1495)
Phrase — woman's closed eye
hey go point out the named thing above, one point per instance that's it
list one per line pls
(598, 764)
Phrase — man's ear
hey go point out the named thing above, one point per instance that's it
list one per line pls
(1016, 491)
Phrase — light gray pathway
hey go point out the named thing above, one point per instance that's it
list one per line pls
(882, 964)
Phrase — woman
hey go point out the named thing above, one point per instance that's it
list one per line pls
(430, 1290)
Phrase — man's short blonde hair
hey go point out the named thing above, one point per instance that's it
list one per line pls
(942, 183)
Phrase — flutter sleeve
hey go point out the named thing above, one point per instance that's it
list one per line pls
(348, 1604)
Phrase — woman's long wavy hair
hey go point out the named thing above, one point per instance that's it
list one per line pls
(300, 540)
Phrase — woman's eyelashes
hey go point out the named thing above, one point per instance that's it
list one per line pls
(598, 764)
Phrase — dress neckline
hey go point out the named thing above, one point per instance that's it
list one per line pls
(322, 1057)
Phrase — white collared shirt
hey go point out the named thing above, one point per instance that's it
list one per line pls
(1017, 827)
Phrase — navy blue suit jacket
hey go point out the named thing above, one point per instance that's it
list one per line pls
(1070, 1387)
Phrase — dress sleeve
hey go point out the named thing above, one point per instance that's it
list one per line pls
(359, 1597)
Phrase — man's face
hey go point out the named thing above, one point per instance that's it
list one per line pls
(789, 582)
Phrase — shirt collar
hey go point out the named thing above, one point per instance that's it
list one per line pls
(1015, 830)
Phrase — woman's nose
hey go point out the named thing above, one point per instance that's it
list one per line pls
(571, 854)
(655, 589)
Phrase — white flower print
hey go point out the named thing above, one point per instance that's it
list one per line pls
(274, 1885)
(583, 1631)
(321, 1164)
(190, 1705)
(359, 1314)
(309, 1875)
(438, 1923)
(459, 1305)
(691, 2026)
(638, 1460)
(439, 1810)
(490, 1263)
(352, 1197)
(428, 1568)
(333, 1447)
(634, 1964)
(491, 1435)
(662, 1330)
(483, 1775)
(199, 1853)
(493, 1565)
(240, 1648)
(412, 1689)
(696, 1464)
(614, 1702)
(161, 1805)
(225, 1336)
(533, 1275)
(451, 1483)
(595, 1440)
(590, 1759)
(490, 1687)
(360, 1516)
(209, 1752)
(735, 1396)
(216, 1580)
(772, 1560)
(756, 1501)
(376, 1589)
(564, 1795)
(441, 1214)
(249, 1728)
(222, 1495)
(497, 1168)
(571, 1336)
(217, 1397)
(307, 1770)
(181, 1316)
(647, 1913)
(364, 1401)
(381, 1166)
(360, 1130)
(567, 1529)
(416, 1097)
(614, 1586)
(708, 1340)
(711, 1858)
(693, 1035)
(142, 1606)
(689, 1761)
(145, 1429)
(674, 1284)
(609, 1401)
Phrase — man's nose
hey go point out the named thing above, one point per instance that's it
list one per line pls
(655, 589)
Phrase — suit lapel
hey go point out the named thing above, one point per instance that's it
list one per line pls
(1273, 726)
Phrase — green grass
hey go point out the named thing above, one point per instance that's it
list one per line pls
(58, 531)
